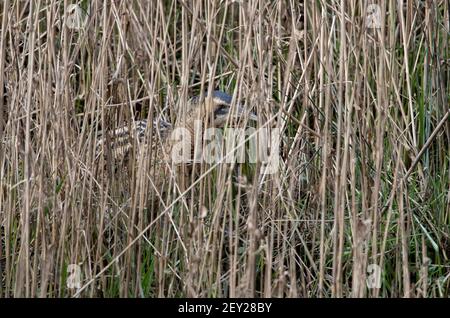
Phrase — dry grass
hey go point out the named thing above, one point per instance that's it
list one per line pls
(365, 157)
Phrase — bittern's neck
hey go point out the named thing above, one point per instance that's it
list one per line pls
(189, 136)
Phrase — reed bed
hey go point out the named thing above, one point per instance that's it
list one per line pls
(360, 203)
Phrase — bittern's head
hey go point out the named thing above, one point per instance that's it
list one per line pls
(217, 110)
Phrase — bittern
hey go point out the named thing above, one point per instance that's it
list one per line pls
(211, 111)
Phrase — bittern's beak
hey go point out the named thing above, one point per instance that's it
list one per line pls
(243, 113)
(239, 115)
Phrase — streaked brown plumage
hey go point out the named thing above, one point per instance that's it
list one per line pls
(211, 111)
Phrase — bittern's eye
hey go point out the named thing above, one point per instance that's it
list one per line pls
(221, 110)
